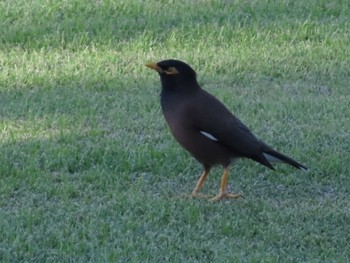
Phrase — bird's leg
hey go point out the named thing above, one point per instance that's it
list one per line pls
(223, 186)
(195, 192)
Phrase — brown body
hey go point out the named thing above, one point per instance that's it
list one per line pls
(187, 131)
(205, 127)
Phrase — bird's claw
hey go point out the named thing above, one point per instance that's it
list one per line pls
(224, 196)
(218, 197)
(199, 195)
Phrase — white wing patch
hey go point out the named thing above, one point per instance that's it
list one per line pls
(209, 136)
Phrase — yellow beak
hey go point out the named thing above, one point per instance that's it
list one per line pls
(154, 66)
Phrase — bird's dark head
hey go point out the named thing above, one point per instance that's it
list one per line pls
(175, 74)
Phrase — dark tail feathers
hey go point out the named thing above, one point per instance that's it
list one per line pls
(274, 156)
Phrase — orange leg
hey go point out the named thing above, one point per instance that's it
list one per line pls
(195, 192)
(222, 194)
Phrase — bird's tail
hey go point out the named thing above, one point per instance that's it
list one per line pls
(274, 156)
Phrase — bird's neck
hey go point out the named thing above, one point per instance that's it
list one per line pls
(172, 99)
(182, 86)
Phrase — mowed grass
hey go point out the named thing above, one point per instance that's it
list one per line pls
(89, 171)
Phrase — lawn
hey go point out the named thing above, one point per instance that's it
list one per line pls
(89, 171)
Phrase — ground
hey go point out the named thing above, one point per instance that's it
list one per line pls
(89, 172)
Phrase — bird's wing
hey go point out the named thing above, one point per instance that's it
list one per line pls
(214, 121)
(210, 117)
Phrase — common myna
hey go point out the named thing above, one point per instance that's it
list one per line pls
(206, 128)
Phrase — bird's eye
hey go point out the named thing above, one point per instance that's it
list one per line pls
(171, 71)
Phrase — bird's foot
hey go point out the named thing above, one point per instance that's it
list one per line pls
(225, 195)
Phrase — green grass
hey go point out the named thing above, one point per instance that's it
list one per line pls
(89, 171)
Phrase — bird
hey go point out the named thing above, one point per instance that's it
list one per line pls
(205, 127)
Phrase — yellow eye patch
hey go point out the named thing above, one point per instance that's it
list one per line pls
(171, 71)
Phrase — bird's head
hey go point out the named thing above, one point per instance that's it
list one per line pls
(175, 74)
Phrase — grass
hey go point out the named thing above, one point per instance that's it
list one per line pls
(89, 171)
